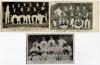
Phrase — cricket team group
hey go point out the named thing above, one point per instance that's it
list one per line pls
(50, 51)
(72, 17)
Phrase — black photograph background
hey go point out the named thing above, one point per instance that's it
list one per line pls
(34, 9)
(32, 38)
(83, 15)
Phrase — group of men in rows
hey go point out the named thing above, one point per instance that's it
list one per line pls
(26, 19)
(50, 50)
(75, 18)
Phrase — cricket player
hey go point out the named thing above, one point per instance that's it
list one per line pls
(65, 12)
(87, 23)
(28, 21)
(77, 11)
(30, 59)
(72, 22)
(34, 17)
(51, 49)
(69, 51)
(54, 24)
(18, 5)
(60, 21)
(7, 15)
(34, 49)
(36, 43)
(71, 11)
(51, 52)
(51, 41)
(64, 23)
(45, 17)
(61, 42)
(79, 23)
(23, 17)
(43, 42)
(58, 12)
(28, 18)
(35, 58)
(84, 11)
(14, 17)
(65, 52)
(40, 18)
(57, 51)
(44, 49)
(38, 46)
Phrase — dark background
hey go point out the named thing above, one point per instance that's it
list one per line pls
(25, 12)
(89, 9)
(32, 38)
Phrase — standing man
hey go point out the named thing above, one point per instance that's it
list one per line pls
(44, 50)
(84, 11)
(65, 12)
(51, 49)
(61, 42)
(43, 45)
(28, 16)
(51, 41)
(71, 11)
(77, 12)
(58, 12)
(7, 15)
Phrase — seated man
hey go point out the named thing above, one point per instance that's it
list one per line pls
(78, 23)
(14, 17)
(54, 23)
(87, 23)
(34, 17)
(28, 19)
(19, 19)
(66, 50)
(40, 18)
(64, 23)
(34, 49)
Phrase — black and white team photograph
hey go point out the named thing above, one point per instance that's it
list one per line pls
(25, 15)
(71, 16)
(53, 48)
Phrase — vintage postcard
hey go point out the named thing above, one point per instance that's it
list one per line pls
(25, 16)
(50, 48)
(51, 16)
(74, 16)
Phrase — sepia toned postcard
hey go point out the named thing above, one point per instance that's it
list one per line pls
(50, 49)
(25, 16)
(75, 16)
(50, 16)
